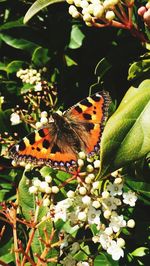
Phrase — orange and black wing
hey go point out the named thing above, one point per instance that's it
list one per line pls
(47, 146)
(87, 119)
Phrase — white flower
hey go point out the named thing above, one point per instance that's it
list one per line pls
(44, 114)
(129, 198)
(96, 204)
(42, 186)
(115, 189)
(86, 200)
(98, 10)
(96, 164)
(93, 216)
(109, 203)
(61, 209)
(105, 240)
(96, 185)
(44, 120)
(108, 231)
(15, 119)
(38, 86)
(115, 250)
(117, 222)
(82, 216)
(105, 194)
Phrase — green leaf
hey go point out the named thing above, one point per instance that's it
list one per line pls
(76, 37)
(27, 201)
(37, 6)
(126, 137)
(45, 170)
(140, 252)
(5, 254)
(5, 120)
(40, 56)
(21, 44)
(13, 24)
(82, 255)
(69, 61)
(104, 259)
(137, 69)
(26, 87)
(14, 66)
(142, 188)
(2, 66)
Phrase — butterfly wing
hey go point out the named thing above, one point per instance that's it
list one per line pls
(47, 146)
(80, 128)
(87, 119)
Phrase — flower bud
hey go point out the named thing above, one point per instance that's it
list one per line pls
(82, 190)
(110, 15)
(55, 189)
(48, 179)
(89, 168)
(120, 242)
(108, 231)
(82, 155)
(33, 190)
(70, 194)
(46, 202)
(131, 223)
(107, 214)
(96, 204)
(80, 162)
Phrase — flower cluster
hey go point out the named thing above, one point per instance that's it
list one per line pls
(144, 12)
(92, 11)
(29, 75)
(91, 203)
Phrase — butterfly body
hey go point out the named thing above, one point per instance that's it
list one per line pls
(58, 144)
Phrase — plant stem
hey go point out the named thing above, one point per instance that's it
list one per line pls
(16, 244)
(31, 235)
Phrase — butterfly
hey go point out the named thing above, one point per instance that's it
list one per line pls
(57, 144)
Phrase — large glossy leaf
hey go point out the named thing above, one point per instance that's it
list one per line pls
(21, 44)
(37, 6)
(126, 137)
